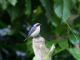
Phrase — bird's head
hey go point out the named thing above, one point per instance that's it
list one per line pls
(37, 24)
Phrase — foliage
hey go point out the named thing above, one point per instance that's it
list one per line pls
(60, 21)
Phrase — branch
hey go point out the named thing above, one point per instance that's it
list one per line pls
(40, 50)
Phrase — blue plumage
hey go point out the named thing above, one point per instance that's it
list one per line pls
(32, 29)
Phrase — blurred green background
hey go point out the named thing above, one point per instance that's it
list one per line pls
(60, 21)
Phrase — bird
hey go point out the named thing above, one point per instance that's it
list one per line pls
(35, 30)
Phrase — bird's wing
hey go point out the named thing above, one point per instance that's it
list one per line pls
(31, 30)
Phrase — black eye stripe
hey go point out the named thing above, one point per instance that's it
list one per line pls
(37, 24)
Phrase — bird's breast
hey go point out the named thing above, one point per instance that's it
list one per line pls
(36, 32)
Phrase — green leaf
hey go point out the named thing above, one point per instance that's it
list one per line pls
(58, 50)
(62, 9)
(49, 11)
(51, 50)
(58, 6)
(13, 12)
(3, 4)
(74, 2)
(12, 2)
(75, 53)
(63, 44)
(27, 7)
(74, 40)
(38, 10)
